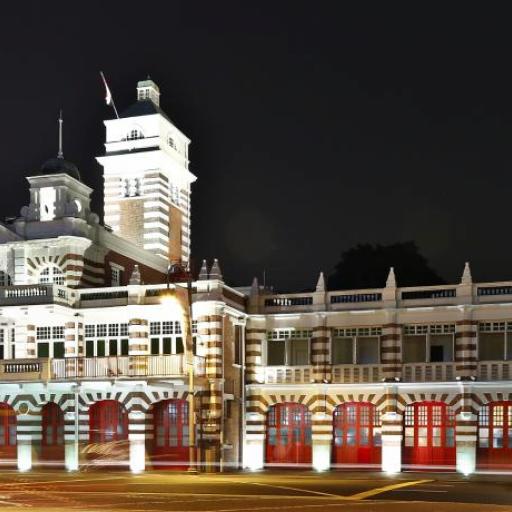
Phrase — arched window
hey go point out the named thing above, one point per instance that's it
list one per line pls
(52, 274)
(134, 134)
(5, 278)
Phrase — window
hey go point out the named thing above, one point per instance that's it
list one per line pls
(50, 341)
(288, 348)
(52, 275)
(237, 345)
(166, 338)
(428, 343)
(356, 346)
(495, 341)
(131, 187)
(116, 275)
(134, 134)
(171, 142)
(104, 340)
(5, 279)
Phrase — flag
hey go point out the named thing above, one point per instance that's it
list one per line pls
(109, 100)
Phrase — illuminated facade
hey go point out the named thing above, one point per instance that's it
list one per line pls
(102, 362)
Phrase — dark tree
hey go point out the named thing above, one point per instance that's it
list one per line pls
(367, 266)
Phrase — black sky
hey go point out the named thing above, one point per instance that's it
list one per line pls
(313, 126)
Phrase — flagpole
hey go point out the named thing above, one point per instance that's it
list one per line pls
(109, 98)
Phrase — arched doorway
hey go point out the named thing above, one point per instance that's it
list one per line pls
(7, 434)
(495, 436)
(288, 434)
(108, 434)
(52, 440)
(357, 438)
(169, 448)
(429, 439)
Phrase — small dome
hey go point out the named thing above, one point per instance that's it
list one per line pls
(60, 166)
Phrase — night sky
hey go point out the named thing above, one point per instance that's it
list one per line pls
(313, 127)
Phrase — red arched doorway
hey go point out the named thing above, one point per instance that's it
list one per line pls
(357, 438)
(8, 453)
(108, 433)
(288, 434)
(429, 439)
(170, 446)
(52, 441)
(495, 436)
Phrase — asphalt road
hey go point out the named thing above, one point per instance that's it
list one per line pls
(262, 491)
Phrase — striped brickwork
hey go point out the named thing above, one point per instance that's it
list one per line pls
(390, 351)
(254, 339)
(466, 332)
(138, 344)
(320, 353)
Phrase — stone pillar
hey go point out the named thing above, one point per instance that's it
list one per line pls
(466, 356)
(24, 451)
(254, 451)
(138, 345)
(71, 434)
(392, 434)
(466, 434)
(255, 336)
(320, 350)
(321, 438)
(137, 440)
(25, 341)
(390, 349)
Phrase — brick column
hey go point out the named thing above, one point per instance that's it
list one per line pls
(391, 349)
(320, 350)
(138, 345)
(466, 331)
(25, 341)
(322, 432)
(254, 338)
(392, 433)
(466, 433)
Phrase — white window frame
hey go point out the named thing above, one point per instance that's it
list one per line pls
(52, 276)
(116, 269)
(286, 336)
(428, 330)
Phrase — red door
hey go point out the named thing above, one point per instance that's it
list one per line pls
(357, 437)
(52, 442)
(170, 447)
(429, 439)
(288, 434)
(495, 436)
(8, 454)
(108, 433)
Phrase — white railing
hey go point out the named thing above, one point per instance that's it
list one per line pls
(355, 373)
(494, 370)
(428, 372)
(288, 374)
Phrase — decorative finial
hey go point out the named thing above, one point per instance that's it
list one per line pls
(320, 285)
(391, 280)
(466, 275)
(215, 272)
(255, 287)
(60, 153)
(203, 273)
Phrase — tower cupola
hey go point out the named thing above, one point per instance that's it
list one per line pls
(148, 90)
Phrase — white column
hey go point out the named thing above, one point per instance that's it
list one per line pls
(392, 442)
(322, 451)
(254, 451)
(71, 454)
(466, 439)
(137, 440)
(24, 449)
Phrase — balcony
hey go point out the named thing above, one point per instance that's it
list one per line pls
(114, 367)
(288, 374)
(428, 372)
(356, 374)
(28, 295)
(494, 370)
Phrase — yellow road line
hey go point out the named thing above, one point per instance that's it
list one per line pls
(296, 489)
(378, 490)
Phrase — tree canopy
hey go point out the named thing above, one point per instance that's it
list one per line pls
(367, 266)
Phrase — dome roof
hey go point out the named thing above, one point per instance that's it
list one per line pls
(60, 166)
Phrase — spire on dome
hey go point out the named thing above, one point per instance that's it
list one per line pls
(466, 275)
(215, 272)
(320, 285)
(203, 273)
(391, 280)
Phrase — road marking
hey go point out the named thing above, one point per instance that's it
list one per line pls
(418, 490)
(379, 490)
(51, 482)
(297, 489)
